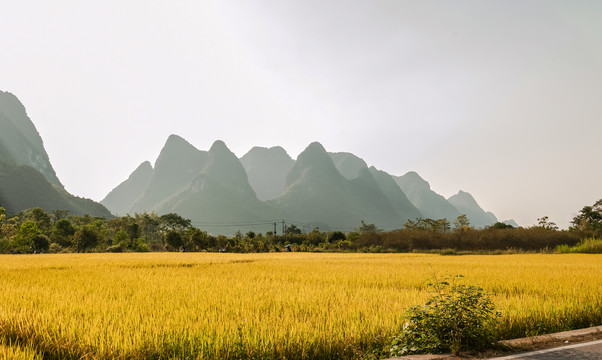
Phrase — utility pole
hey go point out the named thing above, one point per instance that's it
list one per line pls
(283, 228)
(274, 229)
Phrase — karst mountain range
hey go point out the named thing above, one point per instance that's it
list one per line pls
(222, 193)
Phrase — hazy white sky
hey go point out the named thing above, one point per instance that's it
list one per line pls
(502, 99)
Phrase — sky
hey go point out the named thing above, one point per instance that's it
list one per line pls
(502, 99)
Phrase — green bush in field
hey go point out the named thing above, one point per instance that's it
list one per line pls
(586, 246)
(457, 317)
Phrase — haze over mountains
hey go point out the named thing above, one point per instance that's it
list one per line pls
(221, 193)
(27, 179)
(332, 191)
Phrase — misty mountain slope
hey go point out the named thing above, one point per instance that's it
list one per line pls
(466, 204)
(27, 178)
(314, 191)
(397, 198)
(371, 202)
(317, 193)
(266, 169)
(178, 163)
(348, 164)
(219, 193)
(428, 202)
(21, 140)
(120, 200)
(23, 187)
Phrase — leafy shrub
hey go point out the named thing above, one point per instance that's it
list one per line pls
(457, 317)
(55, 248)
(139, 245)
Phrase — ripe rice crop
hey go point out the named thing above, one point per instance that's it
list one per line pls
(278, 305)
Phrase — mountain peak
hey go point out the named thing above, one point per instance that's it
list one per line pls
(174, 148)
(466, 204)
(219, 147)
(315, 147)
(145, 166)
(316, 160)
(121, 198)
(463, 195)
(415, 179)
(175, 139)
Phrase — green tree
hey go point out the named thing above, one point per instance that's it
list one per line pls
(443, 225)
(293, 230)
(196, 239)
(589, 219)
(367, 228)
(462, 223)
(62, 233)
(173, 222)
(24, 241)
(59, 215)
(500, 225)
(41, 243)
(85, 238)
(2, 219)
(39, 217)
(122, 238)
(335, 236)
(149, 226)
(174, 240)
(544, 223)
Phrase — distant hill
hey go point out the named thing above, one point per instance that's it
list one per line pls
(511, 222)
(430, 204)
(267, 169)
(466, 204)
(222, 194)
(209, 187)
(317, 194)
(396, 196)
(219, 196)
(178, 163)
(27, 178)
(120, 199)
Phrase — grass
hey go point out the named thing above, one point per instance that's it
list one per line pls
(586, 246)
(280, 305)
(17, 353)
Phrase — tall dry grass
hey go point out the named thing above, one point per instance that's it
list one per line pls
(282, 305)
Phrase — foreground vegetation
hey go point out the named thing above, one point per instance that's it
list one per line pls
(35, 231)
(278, 305)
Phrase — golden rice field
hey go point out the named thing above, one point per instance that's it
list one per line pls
(277, 305)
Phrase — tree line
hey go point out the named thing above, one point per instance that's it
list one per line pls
(36, 231)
